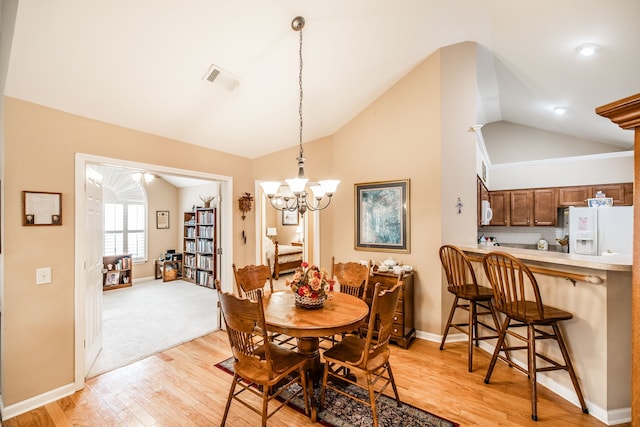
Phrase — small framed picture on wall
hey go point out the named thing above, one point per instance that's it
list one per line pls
(290, 217)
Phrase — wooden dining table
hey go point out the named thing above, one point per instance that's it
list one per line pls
(341, 313)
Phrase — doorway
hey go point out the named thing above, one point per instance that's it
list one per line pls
(310, 223)
(82, 309)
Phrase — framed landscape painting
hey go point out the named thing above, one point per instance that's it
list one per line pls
(382, 216)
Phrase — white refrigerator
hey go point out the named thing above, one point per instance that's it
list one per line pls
(602, 230)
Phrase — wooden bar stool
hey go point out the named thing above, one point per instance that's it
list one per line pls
(476, 300)
(512, 283)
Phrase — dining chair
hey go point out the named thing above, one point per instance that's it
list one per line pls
(517, 297)
(259, 365)
(469, 297)
(353, 277)
(368, 356)
(253, 278)
(250, 278)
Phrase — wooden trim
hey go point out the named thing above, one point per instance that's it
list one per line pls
(626, 114)
(574, 277)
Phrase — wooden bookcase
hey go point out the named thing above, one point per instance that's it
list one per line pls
(120, 275)
(199, 260)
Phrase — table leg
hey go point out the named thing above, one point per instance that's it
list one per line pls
(309, 347)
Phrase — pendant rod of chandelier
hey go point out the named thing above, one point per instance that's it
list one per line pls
(298, 198)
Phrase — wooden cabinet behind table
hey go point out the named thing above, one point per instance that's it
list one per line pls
(403, 331)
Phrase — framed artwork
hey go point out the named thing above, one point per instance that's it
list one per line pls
(382, 216)
(113, 277)
(162, 219)
(290, 217)
(41, 208)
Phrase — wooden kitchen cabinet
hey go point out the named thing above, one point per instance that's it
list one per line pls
(534, 207)
(545, 207)
(614, 191)
(573, 196)
(403, 330)
(500, 203)
(521, 207)
(622, 194)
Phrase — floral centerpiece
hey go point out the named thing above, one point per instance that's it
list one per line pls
(310, 285)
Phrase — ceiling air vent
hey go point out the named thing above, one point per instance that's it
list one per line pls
(221, 77)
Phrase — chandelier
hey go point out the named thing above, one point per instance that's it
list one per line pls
(297, 197)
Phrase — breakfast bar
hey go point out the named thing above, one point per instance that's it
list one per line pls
(597, 290)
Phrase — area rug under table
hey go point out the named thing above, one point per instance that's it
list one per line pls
(340, 411)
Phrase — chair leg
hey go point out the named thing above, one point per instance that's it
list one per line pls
(446, 328)
(473, 332)
(494, 315)
(372, 400)
(393, 384)
(265, 404)
(231, 391)
(325, 377)
(501, 337)
(567, 362)
(531, 350)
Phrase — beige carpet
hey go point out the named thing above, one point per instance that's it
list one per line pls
(150, 317)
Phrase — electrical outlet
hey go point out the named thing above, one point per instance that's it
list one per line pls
(43, 275)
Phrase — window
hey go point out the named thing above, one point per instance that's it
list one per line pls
(124, 212)
(125, 229)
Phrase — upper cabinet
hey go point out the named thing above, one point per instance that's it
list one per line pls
(545, 207)
(622, 194)
(538, 207)
(500, 205)
(521, 207)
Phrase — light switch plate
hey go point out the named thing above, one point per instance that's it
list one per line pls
(43, 275)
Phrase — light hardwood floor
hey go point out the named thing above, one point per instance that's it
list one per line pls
(182, 387)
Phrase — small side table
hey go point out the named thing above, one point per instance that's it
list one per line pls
(297, 243)
(168, 270)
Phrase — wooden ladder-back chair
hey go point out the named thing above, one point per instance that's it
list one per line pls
(517, 296)
(250, 278)
(476, 300)
(258, 361)
(253, 278)
(353, 277)
(367, 356)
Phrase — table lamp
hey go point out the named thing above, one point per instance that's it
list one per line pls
(299, 233)
(271, 232)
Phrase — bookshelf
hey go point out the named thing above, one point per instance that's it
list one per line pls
(198, 259)
(117, 271)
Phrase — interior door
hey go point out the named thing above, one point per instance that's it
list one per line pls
(94, 226)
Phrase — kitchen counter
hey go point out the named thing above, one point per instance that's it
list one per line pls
(610, 262)
(598, 335)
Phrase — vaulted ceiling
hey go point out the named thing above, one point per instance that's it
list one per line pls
(142, 64)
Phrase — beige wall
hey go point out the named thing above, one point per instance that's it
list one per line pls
(161, 196)
(40, 145)
(399, 136)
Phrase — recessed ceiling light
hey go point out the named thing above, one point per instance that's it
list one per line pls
(588, 49)
(560, 110)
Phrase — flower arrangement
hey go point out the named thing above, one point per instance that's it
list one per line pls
(311, 282)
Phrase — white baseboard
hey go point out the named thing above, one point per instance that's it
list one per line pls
(37, 401)
(612, 417)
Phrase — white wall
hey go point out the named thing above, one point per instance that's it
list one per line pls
(584, 170)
